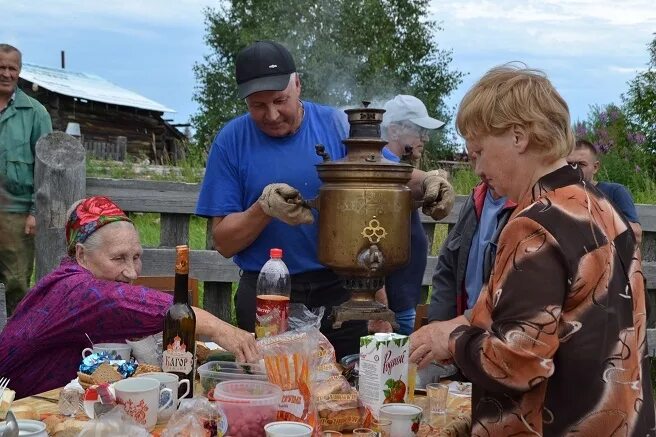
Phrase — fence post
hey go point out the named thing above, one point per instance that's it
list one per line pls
(174, 229)
(59, 180)
(217, 296)
(121, 148)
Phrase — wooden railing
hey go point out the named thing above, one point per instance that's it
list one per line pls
(59, 180)
(176, 203)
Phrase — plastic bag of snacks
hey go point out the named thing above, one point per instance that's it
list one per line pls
(337, 403)
(197, 417)
(289, 359)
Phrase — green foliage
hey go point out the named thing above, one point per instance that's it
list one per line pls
(623, 158)
(640, 101)
(345, 51)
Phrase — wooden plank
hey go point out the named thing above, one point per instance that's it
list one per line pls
(174, 230)
(651, 342)
(647, 216)
(147, 196)
(217, 299)
(204, 265)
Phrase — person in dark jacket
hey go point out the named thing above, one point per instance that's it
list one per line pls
(467, 256)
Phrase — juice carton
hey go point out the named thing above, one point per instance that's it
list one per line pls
(383, 370)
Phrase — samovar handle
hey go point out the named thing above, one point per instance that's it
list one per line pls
(309, 203)
(321, 151)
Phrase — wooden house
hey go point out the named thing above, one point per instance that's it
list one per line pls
(114, 122)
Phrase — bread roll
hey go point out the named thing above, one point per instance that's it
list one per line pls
(69, 428)
(25, 412)
(5, 403)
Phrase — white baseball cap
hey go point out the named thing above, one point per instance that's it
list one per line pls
(409, 108)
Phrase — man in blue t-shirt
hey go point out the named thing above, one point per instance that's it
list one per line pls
(586, 157)
(406, 127)
(261, 165)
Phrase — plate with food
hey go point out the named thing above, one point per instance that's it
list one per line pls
(462, 389)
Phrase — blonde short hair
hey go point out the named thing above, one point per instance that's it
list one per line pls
(513, 95)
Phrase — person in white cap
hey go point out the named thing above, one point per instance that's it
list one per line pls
(406, 123)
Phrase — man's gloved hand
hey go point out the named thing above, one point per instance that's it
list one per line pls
(439, 196)
(286, 204)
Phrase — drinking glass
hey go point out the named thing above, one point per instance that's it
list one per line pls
(382, 426)
(437, 396)
(332, 434)
(363, 432)
(69, 402)
(412, 379)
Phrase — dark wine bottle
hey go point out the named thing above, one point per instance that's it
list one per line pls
(179, 340)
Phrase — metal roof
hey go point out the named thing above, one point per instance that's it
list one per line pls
(87, 86)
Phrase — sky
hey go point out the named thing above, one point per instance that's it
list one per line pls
(589, 48)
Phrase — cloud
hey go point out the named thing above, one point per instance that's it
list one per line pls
(626, 70)
(550, 27)
(109, 15)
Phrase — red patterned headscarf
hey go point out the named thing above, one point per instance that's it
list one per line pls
(90, 215)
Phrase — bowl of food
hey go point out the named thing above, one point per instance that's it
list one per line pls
(214, 372)
(248, 405)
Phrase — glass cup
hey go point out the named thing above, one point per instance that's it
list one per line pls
(332, 434)
(363, 432)
(382, 426)
(437, 396)
(412, 380)
(69, 402)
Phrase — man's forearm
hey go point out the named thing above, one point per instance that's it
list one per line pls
(234, 232)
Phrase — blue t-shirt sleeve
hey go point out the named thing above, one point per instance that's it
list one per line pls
(220, 192)
(624, 202)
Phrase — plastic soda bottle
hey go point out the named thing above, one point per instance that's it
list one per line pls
(273, 289)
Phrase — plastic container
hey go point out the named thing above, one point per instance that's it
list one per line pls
(273, 289)
(249, 405)
(214, 372)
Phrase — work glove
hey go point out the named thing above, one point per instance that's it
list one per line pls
(286, 204)
(439, 196)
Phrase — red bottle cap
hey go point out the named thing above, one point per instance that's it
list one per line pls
(275, 253)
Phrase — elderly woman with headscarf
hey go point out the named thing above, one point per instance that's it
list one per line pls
(556, 341)
(90, 293)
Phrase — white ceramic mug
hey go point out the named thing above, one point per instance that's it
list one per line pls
(287, 429)
(122, 350)
(172, 381)
(140, 397)
(403, 417)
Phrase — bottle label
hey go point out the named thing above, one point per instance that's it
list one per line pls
(271, 313)
(176, 358)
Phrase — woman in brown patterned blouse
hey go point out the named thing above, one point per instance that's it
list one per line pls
(556, 341)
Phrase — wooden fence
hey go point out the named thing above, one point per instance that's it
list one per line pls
(116, 151)
(176, 202)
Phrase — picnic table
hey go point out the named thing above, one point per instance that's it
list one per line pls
(456, 423)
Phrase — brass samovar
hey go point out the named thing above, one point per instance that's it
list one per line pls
(364, 216)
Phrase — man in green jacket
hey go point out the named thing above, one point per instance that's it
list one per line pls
(23, 120)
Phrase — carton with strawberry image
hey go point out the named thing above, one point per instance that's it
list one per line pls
(383, 370)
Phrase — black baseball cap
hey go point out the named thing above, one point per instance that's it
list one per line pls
(263, 66)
